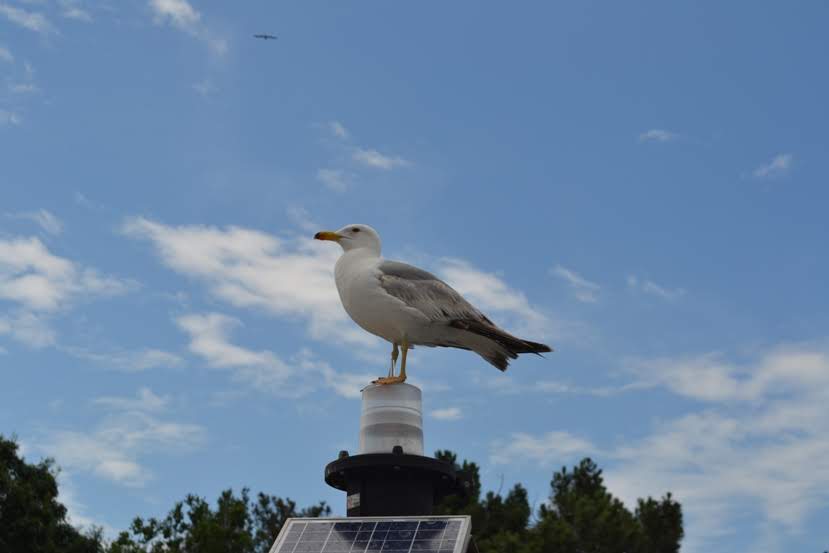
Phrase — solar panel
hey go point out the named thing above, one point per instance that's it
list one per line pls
(374, 535)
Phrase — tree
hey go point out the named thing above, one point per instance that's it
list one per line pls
(31, 518)
(237, 525)
(582, 516)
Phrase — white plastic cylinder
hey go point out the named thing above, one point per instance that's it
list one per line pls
(392, 415)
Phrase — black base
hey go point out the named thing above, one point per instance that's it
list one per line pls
(390, 484)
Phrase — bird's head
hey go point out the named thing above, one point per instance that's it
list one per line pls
(352, 237)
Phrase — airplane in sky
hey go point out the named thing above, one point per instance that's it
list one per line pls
(265, 37)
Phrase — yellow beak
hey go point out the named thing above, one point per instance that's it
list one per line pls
(328, 235)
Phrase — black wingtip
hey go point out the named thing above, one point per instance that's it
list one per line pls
(537, 348)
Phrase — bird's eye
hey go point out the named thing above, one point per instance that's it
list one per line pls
(355, 229)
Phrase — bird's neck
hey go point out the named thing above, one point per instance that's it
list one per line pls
(361, 253)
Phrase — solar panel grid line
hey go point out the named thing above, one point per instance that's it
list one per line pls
(299, 538)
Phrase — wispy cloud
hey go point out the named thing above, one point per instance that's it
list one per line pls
(263, 370)
(131, 361)
(72, 10)
(83, 201)
(334, 179)
(447, 414)
(8, 118)
(301, 217)
(204, 88)
(43, 218)
(338, 129)
(129, 432)
(584, 290)
(23, 88)
(6, 55)
(549, 449)
(27, 84)
(374, 159)
(654, 289)
(145, 400)
(32, 329)
(183, 16)
(779, 165)
(32, 21)
(657, 135)
(503, 384)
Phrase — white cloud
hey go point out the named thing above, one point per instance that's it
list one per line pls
(183, 16)
(654, 289)
(778, 166)
(584, 290)
(263, 370)
(38, 280)
(43, 218)
(32, 21)
(657, 135)
(758, 447)
(39, 283)
(374, 159)
(178, 12)
(209, 339)
(709, 377)
(251, 269)
(447, 414)
(334, 179)
(6, 55)
(9, 118)
(337, 129)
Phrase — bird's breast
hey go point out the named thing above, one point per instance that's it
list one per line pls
(363, 298)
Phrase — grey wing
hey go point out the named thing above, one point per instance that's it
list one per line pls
(425, 292)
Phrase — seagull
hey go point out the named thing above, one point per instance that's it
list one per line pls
(411, 307)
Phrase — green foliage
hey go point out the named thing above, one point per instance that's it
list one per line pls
(31, 518)
(582, 516)
(237, 525)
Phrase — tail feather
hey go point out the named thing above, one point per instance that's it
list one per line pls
(507, 346)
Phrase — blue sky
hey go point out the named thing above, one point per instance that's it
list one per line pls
(641, 185)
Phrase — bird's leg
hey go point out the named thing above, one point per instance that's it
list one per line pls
(394, 353)
(402, 376)
(403, 361)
